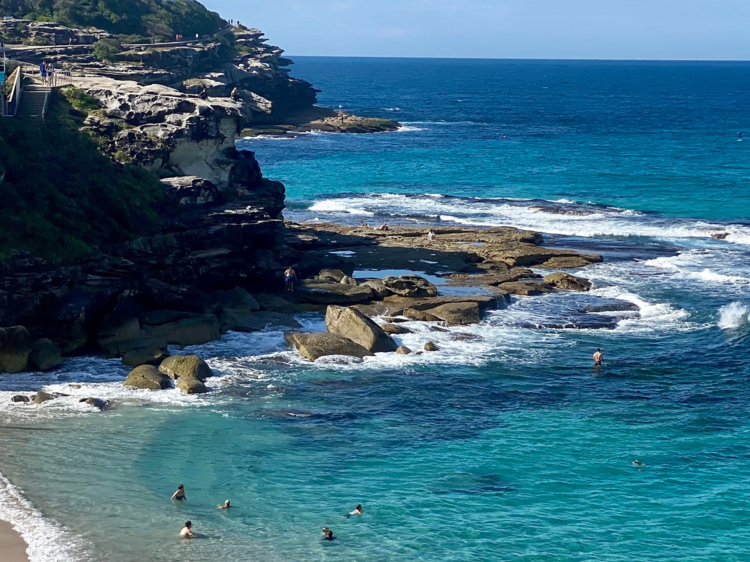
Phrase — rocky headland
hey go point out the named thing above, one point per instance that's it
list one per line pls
(214, 258)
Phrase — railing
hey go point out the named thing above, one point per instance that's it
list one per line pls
(14, 97)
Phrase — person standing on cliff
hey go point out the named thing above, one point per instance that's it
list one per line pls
(290, 278)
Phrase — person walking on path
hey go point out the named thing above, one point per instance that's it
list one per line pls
(43, 72)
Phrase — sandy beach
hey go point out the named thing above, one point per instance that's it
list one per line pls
(12, 546)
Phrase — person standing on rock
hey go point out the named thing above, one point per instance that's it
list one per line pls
(431, 235)
(598, 358)
(290, 278)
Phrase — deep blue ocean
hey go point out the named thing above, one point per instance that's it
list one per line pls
(504, 447)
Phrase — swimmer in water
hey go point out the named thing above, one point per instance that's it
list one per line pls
(186, 532)
(328, 536)
(740, 137)
(180, 493)
(357, 511)
(226, 505)
(598, 358)
(639, 464)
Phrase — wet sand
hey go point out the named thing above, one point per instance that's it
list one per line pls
(12, 546)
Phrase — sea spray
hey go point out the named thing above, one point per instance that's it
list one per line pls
(733, 316)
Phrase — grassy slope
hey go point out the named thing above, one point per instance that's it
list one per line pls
(148, 18)
(61, 196)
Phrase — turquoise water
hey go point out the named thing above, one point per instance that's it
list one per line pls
(503, 446)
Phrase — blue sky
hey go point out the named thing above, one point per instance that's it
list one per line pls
(599, 29)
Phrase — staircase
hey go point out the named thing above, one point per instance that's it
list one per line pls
(33, 102)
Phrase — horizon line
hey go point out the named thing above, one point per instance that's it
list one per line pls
(527, 59)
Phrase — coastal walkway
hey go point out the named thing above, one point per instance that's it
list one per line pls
(29, 94)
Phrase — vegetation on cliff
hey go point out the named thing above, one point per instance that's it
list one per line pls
(147, 18)
(61, 196)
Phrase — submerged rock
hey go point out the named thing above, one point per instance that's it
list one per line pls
(403, 350)
(42, 397)
(354, 325)
(321, 344)
(186, 367)
(21, 399)
(95, 402)
(148, 377)
(429, 346)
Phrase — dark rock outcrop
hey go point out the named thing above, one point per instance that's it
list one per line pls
(333, 293)
(44, 356)
(411, 286)
(15, 347)
(457, 314)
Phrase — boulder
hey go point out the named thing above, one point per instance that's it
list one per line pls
(420, 316)
(148, 377)
(186, 367)
(321, 344)
(237, 321)
(378, 288)
(567, 282)
(42, 397)
(15, 347)
(191, 386)
(95, 402)
(196, 329)
(237, 299)
(403, 350)
(354, 325)
(526, 288)
(457, 314)
(333, 293)
(44, 356)
(395, 329)
(429, 346)
(21, 399)
(411, 286)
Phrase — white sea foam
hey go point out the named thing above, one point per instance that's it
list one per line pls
(585, 221)
(47, 541)
(733, 316)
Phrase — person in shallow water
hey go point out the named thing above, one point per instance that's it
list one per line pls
(598, 358)
(328, 535)
(186, 532)
(357, 510)
(226, 505)
(290, 278)
(179, 493)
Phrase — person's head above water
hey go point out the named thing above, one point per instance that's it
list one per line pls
(188, 524)
(180, 487)
(227, 504)
(359, 507)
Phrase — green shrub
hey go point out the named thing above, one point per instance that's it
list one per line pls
(80, 99)
(107, 49)
(61, 196)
